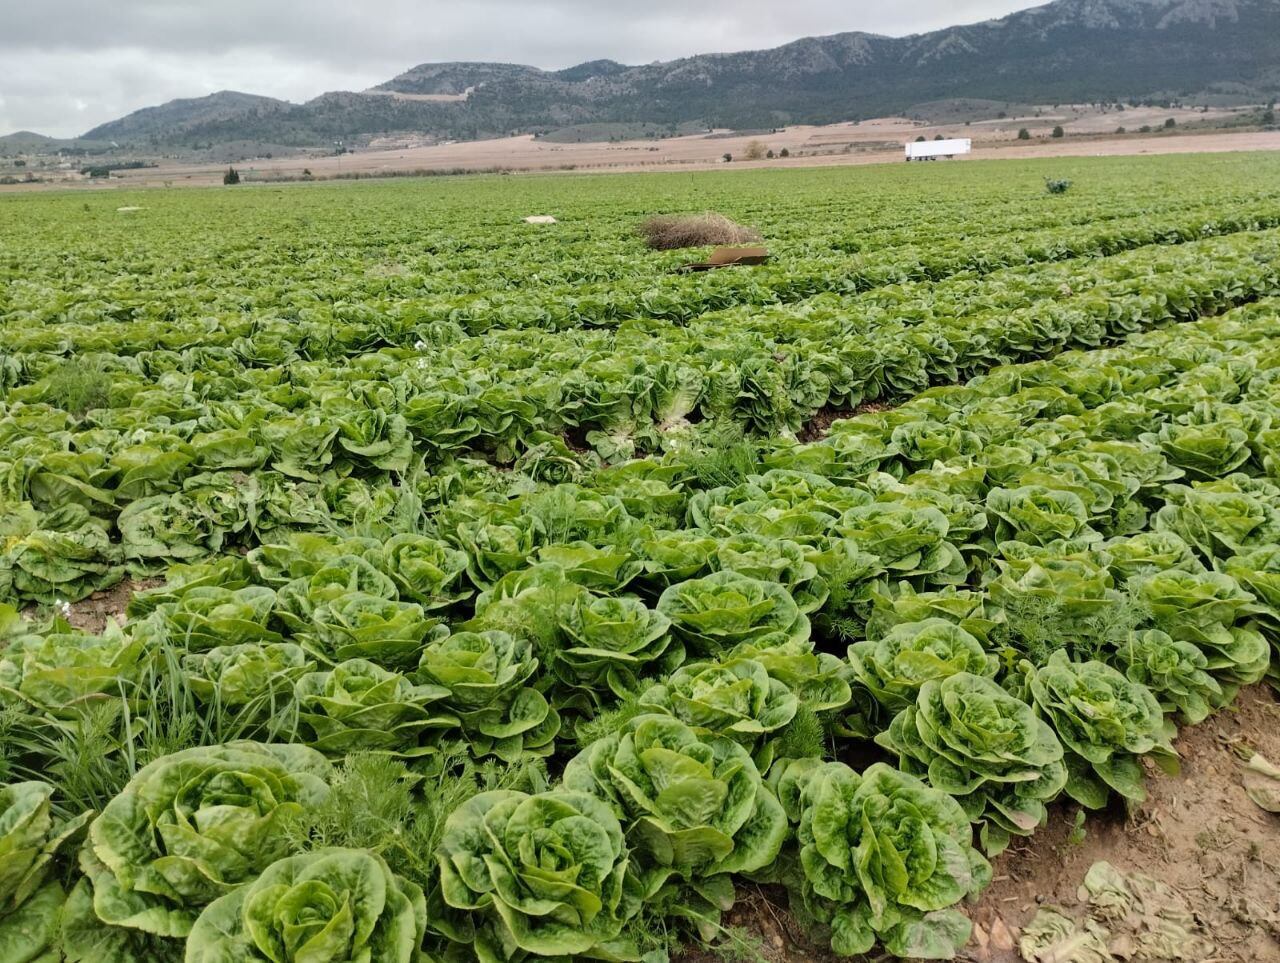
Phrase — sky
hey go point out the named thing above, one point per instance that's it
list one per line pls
(73, 64)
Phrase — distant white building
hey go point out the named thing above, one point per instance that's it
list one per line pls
(933, 149)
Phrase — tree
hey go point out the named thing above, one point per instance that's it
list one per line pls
(1268, 117)
(785, 152)
(920, 139)
(728, 158)
(1059, 132)
(1120, 130)
(1024, 134)
(232, 176)
(1170, 124)
(939, 137)
(770, 154)
(755, 150)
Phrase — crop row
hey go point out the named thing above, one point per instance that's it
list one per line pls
(1040, 572)
(55, 322)
(179, 465)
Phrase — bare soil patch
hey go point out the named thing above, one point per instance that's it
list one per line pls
(91, 614)
(819, 425)
(871, 142)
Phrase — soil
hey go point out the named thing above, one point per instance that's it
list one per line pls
(871, 142)
(1198, 832)
(91, 614)
(819, 425)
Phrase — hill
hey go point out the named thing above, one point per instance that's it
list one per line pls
(1069, 51)
(173, 120)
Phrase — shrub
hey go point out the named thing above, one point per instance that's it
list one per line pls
(1057, 186)
(1024, 134)
(671, 232)
(785, 152)
(1170, 124)
(1058, 132)
(232, 176)
(755, 150)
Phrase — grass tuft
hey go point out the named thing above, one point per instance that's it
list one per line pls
(667, 232)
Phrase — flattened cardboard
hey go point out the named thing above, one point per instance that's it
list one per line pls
(729, 257)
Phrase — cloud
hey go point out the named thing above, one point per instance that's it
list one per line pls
(75, 64)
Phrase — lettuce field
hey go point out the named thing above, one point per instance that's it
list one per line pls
(495, 592)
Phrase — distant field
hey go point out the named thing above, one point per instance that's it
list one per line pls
(646, 147)
(384, 578)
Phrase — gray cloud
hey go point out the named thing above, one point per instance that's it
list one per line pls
(78, 63)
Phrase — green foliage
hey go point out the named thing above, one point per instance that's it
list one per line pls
(78, 385)
(547, 874)
(970, 738)
(330, 905)
(1106, 722)
(881, 857)
(695, 805)
(470, 516)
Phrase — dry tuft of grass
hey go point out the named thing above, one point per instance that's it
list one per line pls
(668, 232)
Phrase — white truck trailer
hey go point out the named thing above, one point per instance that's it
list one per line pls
(922, 150)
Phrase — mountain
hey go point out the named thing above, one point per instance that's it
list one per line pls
(29, 142)
(177, 118)
(1068, 51)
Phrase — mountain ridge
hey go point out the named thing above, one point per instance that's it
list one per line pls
(1062, 52)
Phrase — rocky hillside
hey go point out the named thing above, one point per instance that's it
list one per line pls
(1066, 51)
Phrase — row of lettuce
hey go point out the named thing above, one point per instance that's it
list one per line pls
(1040, 574)
(181, 463)
(340, 326)
(429, 248)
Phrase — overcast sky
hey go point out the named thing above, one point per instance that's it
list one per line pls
(72, 64)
